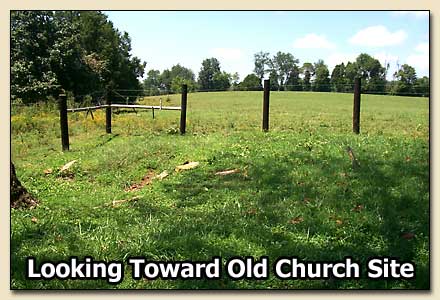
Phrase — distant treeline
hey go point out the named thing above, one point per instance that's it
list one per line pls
(81, 52)
(286, 74)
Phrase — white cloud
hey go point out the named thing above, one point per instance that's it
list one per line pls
(385, 58)
(337, 58)
(417, 14)
(378, 36)
(420, 59)
(227, 53)
(313, 41)
(423, 48)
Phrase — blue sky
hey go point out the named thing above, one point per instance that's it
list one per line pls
(163, 39)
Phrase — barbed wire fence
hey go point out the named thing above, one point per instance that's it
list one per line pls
(114, 99)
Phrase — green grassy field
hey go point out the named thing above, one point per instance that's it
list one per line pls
(295, 192)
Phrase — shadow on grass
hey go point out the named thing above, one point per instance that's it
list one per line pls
(299, 205)
(273, 212)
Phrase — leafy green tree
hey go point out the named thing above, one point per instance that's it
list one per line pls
(182, 72)
(421, 86)
(406, 78)
(322, 80)
(210, 67)
(262, 62)
(178, 75)
(372, 73)
(274, 81)
(165, 80)
(351, 72)
(79, 52)
(294, 81)
(45, 56)
(235, 79)
(177, 82)
(283, 64)
(112, 49)
(222, 81)
(308, 70)
(251, 83)
(151, 84)
(338, 78)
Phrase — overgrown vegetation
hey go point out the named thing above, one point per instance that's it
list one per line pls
(295, 194)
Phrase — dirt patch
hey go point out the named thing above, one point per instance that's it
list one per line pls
(146, 180)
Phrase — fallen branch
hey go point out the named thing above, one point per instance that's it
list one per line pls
(354, 162)
(227, 172)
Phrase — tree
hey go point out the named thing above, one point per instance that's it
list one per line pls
(308, 70)
(20, 197)
(210, 67)
(274, 81)
(182, 72)
(80, 52)
(165, 80)
(294, 81)
(322, 80)
(351, 72)
(261, 62)
(172, 80)
(222, 81)
(112, 49)
(283, 64)
(421, 86)
(44, 54)
(405, 80)
(235, 79)
(250, 83)
(151, 84)
(177, 82)
(338, 78)
(372, 73)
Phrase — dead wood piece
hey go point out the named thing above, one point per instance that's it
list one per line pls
(162, 175)
(187, 166)
(227, 172)
(354, 162)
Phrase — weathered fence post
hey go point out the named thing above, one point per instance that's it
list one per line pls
(108, 114)
(266, 105)
(183, 109)
(63, 122)
(357, 105)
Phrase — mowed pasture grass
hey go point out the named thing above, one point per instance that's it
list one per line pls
(296, 193)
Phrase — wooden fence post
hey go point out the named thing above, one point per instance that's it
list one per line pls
(183, 109)
(266, 105)
(357, 105)
(108, 114)
(63, 122)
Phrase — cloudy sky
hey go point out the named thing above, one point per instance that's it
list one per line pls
(163, 39)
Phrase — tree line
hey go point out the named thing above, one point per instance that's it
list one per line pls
(286, 74)
(81, 52)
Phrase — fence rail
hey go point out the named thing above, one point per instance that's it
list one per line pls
(357, 91)
(124, 106)
(108, 113)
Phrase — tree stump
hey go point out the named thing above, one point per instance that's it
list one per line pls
(20, 197)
